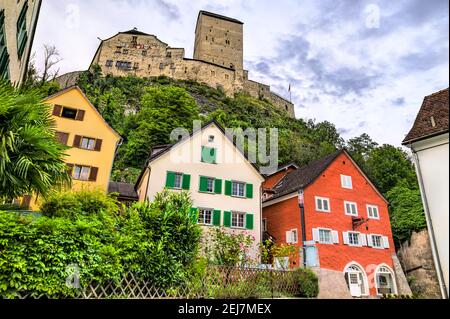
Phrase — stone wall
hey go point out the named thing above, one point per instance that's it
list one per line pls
(332, 284)
(144, 55)
(417, 261)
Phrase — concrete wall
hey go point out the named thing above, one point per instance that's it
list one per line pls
(18, 66)
(417, 262)
(433, 166)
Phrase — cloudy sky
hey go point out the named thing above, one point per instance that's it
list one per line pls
(363, 65)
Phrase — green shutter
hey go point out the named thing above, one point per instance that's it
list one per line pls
(203, 184)
(170, 179)
(194, 215)
(216, 218)
(218, 186)
(208, 155)
(186, 182)
(249, 190)
(228, 188)
(249, 221)
(227, 219)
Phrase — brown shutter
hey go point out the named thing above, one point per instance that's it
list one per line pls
(93, 174)
(65, 138)
(57, 110)
(26, 200)
(80, 115)
(70, 169)
(98, 145)
(77, 141)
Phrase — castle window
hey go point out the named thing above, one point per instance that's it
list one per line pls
(169, 54)
(161, 66)
(212, 39)
(125, 51)
(144, 53)
(227, 42)
(213, 73)
(206, 38)
(185, 70)
(136, 65)
(287, 108)
(109, 63)
(134, 40)
(149, 66)
(227, 76)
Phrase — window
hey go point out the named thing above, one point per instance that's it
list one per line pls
(87, 143)
(372, 212)
(109, 63)
(354, 239)
(125, 51)
(211, 138)
(264, 224)
(178, 180)
(205, 216)
(22, 35)
(210, 185)
(81, 172)
(237, 189)
(169, 54)
(213, 73)
(4, 56)
(69, 113)
(144, 53)
(208, 155)
(346, 182)
(161, 66)
(227, 76)
(136, 65)
(62, 137)
(134, 40)
(325, 236)
(294, 236)
(351, 209)
(377, 241)
(322, 204)
(237, 220)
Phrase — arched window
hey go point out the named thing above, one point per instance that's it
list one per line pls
(385, 280)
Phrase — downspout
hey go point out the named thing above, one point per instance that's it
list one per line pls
(430, 227)
(301, 205)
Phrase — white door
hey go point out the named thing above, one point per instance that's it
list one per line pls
(354, 282)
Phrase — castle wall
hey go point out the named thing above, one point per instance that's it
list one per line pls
(219, 41)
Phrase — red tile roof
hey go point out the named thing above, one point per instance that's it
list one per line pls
(432, 119)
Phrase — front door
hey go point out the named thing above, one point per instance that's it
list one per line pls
(354, 282)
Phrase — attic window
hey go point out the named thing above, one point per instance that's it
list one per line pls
(211, 138)
(433, 121)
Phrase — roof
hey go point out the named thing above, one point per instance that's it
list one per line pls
(303, 176)
(123, 189)
(432, 118)
(158, 151)
(218, 16)
(75, 87)
(284, 167)
(135, 32)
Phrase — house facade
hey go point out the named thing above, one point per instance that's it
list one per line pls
(429, 143)
(18, 21)
(224, 186)
(338, 220)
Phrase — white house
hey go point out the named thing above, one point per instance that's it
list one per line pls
(224, 186)
(428, 140)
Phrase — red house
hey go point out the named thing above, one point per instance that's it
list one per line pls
(337, 218)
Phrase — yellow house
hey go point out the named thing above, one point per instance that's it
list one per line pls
(93, 143)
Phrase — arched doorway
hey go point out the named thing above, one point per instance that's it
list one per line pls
(356, 280)
(385, 280)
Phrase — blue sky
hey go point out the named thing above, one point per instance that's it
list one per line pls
(363, 65)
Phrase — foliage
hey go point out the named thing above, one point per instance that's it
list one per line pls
(228, 249)
(73, 204)
(270, 250)
(308, 283)
(158, 242)
(406, 212)
(31, 160)
(388, 166)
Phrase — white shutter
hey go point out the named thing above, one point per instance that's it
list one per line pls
(335, 235)
(385, 242)
(288, 237)
(315, 233)
(370, 240)
(345, 237)
(363, 239)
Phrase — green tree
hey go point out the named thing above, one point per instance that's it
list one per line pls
(388, 165)
(406, 212)
(360, 147)
(31, 160)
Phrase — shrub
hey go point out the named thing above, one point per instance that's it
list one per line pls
(308, 283)
(72, 204)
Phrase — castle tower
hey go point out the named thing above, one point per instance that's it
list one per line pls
(219, 40)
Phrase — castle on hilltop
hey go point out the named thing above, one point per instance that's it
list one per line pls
(218, 58)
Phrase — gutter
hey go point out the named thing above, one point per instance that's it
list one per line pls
(433, 245)
(301, 204)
